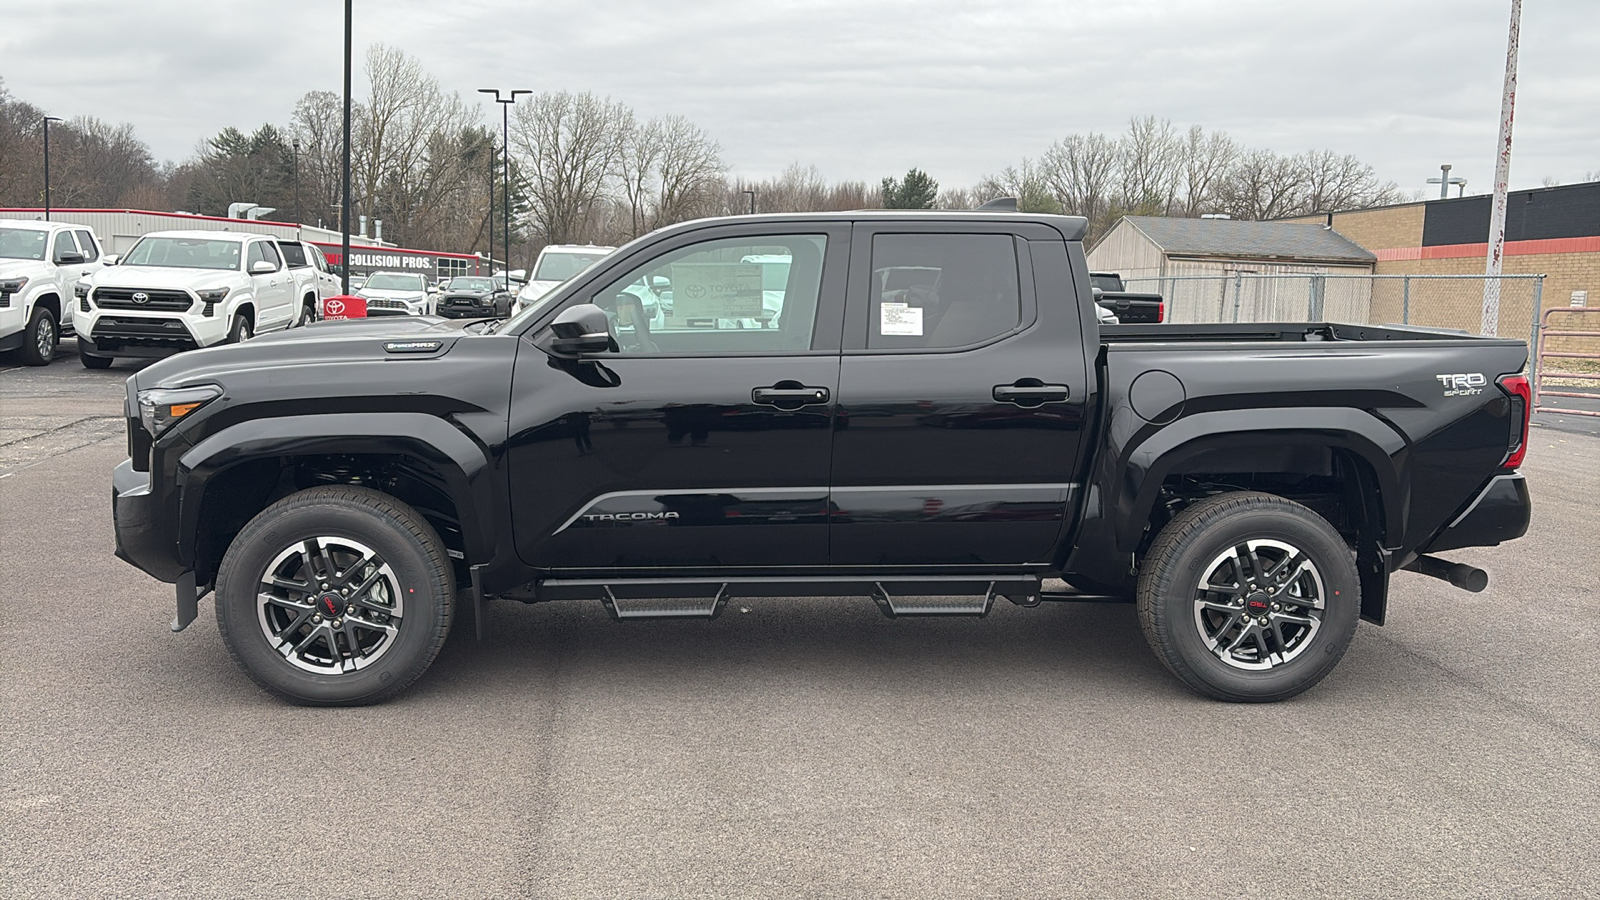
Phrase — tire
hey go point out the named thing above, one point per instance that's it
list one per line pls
(1204, 636)
(92, 362)
(39, 338)
(308, 314)
(241, 330)
(349, 651)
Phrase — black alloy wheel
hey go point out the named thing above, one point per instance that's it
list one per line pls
(335, 596)
(1249, 597)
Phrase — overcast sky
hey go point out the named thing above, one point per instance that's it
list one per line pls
(867, 88)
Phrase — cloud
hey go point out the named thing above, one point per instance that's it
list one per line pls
(865, 89)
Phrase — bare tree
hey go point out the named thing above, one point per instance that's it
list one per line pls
(1204, 160)
(570, 146)
(1026, 182)
(1261, 185)
(1081, 170)
(1331, 181)
(688, 174)
(1149, 166)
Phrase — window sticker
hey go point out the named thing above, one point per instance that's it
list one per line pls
(899, 318)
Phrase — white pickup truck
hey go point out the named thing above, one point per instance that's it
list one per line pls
(180, 290)
(313, 282)
(40, 265)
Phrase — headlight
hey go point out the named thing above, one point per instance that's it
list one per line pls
(160, 408)
(214, 295)
(80, 290)
(12, 285)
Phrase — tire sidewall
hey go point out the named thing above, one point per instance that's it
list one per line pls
(40, 320)
(240, 332)
(268, 535)
(1341, 604)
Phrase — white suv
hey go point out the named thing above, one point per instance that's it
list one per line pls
(40, 265)
(179, 290)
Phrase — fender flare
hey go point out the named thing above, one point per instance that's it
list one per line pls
(1146, 465)
(460, 464)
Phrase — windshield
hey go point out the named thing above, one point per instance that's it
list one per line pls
(394, 281)
(22, 243)
(184, 253)
(561, 266)
(472, 284)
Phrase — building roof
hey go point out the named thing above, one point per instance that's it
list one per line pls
(1251, 240)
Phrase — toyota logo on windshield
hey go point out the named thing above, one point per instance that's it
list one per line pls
(141, 297)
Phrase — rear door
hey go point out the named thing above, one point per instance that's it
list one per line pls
(705, 442)
(962, 394)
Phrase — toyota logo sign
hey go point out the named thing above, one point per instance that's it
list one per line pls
(335, 307)
(141, 297)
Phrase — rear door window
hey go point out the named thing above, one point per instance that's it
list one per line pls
(295, 255)
(942, 291)
(91, 251)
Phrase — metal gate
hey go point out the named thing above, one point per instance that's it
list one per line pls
(1575, 340)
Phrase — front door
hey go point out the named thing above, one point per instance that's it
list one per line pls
(704, 442)
(961, 398)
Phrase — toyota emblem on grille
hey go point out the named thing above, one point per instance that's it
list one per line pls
(141, 297)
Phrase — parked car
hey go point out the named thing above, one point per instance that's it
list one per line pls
(180, 290)
(556, 264)
(1126, 306)
(41, 266)
(474, 297)
(934, 451)
(314, 283)
(397, 294)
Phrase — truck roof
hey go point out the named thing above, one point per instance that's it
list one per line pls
(1073, 228)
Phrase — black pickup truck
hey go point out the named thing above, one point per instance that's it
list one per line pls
(920, 408)
(1130, 307)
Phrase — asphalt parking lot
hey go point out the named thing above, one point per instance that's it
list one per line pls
(789, 748)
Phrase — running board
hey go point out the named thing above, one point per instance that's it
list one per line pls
(704, 598)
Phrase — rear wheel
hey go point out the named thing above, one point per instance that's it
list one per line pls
(39, 338)
(335, 596)
(1249, 597)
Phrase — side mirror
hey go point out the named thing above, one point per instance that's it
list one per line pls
(581, 329)
(262, 267)
(69, 258)
(112, 259)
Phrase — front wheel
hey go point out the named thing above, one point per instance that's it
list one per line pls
(241, 331)
(90, 361)
(308, 314)
(335, 596)
(1249, 597)
(39, 338)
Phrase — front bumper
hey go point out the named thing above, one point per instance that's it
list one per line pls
(1499, 513)
(141, 541)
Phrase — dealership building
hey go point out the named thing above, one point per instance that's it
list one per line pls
(120, 229)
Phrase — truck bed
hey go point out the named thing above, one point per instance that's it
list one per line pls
(1278, 332)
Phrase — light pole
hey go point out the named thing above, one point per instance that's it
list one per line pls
(344, 223)
(296, 145)
(752, 200)
(1445, 180)
(505, 143)
(47, 121)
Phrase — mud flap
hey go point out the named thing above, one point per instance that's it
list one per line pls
(188, 602)
(1372, 562)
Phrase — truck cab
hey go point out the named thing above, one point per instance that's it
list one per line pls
(41, 267)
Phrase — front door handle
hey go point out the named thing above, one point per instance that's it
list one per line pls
(1030, 392)
(789, 395)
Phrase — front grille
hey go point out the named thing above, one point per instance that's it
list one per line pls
(387, 304)
(124, 298)
(112, 332)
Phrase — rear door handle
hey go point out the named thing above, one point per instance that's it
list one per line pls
(1031, 392)
(789, 395)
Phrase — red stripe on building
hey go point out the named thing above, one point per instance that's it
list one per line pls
(1513, 248)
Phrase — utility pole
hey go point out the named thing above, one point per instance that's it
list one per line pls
(1502, 174)
(47, 121)
(297, 218)
(344, 226)
(505, 139)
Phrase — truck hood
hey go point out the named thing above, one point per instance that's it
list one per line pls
(167, 277)
(24, 268)
(352, 340)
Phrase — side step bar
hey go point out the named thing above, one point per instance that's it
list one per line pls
(704, 598)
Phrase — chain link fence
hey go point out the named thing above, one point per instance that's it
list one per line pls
(1431, 301)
